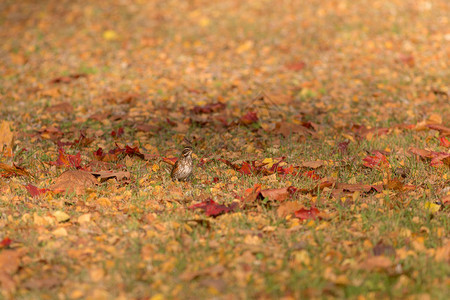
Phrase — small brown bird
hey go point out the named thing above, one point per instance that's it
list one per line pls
(182, 169)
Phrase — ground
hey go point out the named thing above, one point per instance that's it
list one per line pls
(321, 139)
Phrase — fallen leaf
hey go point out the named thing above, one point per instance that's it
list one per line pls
(9, 171)
(6, 138)
(287, 208)
(61, 216)
(106, 175)
(60, 232)
(287, 129)
(9, 264)
(280, 194)
(443, 253)
(441, 128)
(5, 242)
(444, 142)
(376, 263)
(74, 181)
(67, 160)
(358, 187)
(296, 66)
(251, 194)
(67, 79)
(313, 164)
(212, 271)
(376, 160)
(34, 191)
(212, 209)
(64, 107)
(306, 214)
(249, 118)
(209, 108)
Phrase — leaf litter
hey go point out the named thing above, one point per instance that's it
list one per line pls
(289, 197)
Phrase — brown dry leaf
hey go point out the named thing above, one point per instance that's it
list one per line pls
(276, 194)
(443, 253)
(395, 184)
(376, 263)
(288, 208)
(64, 107)
(358, 187)
(277, 98)
(14, 170)
(9, 264)
(252, 194)
(211, 271)
(105, 175)
(445, 131)
(287, 129)
(74, 181)
(6, 138)
(313, 164)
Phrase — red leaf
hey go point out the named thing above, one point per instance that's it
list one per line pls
(444, 142)
(67, 160)
(246, 168)
(5, 242)
(343, 147)
(119, 132)
(209, 108)
(67, 79)
(170, 161)
(251, 194)
(437, 158)
(35, 191)
(306, 214)
(312, 175)
(377, 160)
(249, 118)
(296, 66)
(212, 209)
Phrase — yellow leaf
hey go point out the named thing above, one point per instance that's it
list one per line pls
(110, 35)
(269, 162)
(244, 47)
(157, 297)
(432, 207)
(59, 232)
(61, 216)
(84, 218)
(204, 22)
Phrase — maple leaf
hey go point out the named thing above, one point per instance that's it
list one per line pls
(5, 242)
(276, 194)
(209, 108)
(170, 160)
(296, 66)
(35, 191)
(311, 174)
(306, 214)
(444, 142)
(67, 160)
(249, 118)
(10, 171)
(376, 160)
(118, 133)
(213, 209)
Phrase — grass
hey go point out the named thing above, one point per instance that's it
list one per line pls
(141, 240)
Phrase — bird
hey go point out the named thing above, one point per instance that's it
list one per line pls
(182, 169)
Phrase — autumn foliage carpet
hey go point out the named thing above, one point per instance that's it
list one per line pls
(322, 138)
